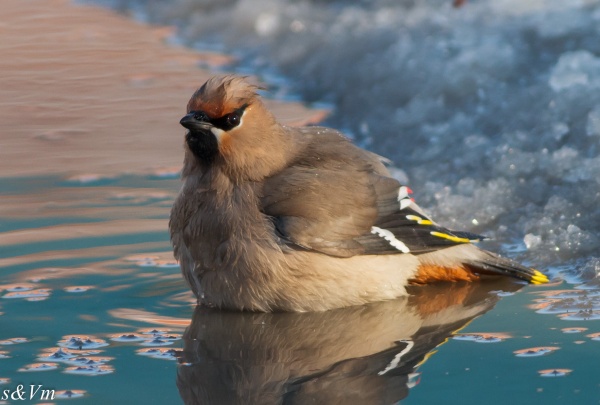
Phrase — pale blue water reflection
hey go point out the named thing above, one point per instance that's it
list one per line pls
(92, 302)
(85, 264)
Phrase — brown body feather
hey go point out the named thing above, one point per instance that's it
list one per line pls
(288, 218)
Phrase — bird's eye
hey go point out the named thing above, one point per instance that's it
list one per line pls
(233, 119)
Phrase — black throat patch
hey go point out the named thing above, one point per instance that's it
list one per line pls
(203, 145)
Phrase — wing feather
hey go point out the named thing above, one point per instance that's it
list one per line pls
(338, 199)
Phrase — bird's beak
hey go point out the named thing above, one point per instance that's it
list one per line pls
(195, 121)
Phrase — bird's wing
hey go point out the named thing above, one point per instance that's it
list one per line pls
(338, 199)
(408, 230)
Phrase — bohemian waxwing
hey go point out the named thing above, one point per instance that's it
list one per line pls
(274, 218)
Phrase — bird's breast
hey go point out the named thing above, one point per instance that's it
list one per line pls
(222, 228)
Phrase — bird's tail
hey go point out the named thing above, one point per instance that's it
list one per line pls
(495, 265)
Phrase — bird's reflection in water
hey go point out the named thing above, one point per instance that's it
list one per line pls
(358, 355)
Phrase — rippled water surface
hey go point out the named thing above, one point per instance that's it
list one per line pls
(87, 275)
(92, 302)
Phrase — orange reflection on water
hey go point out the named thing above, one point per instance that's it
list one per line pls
(148, 317)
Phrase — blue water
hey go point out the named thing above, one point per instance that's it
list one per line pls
(490, 111)
(112, 280)
(101, 279)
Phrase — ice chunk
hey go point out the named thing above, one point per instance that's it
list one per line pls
(578, 68)
(266, 24)
(592, 127)
(531, 240)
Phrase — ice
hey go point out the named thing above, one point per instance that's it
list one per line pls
(592, 127)
(490, 111)
(531, 240)
(578, 68)
(266, 24)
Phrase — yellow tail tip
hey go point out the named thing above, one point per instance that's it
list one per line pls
(539, 278)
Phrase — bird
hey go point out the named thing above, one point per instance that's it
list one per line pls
(272, 218)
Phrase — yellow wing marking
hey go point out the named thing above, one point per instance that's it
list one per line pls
(539, 278)
(419, 220)
(450, 237)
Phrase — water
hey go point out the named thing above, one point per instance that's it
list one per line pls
(91, 298)
(489, 110)
(90, 260)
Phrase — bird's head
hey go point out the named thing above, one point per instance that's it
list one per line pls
(229, 126)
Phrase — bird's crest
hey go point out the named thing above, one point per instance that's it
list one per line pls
(223, 94)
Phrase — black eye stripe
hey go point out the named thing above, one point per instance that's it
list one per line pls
(229, 121)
